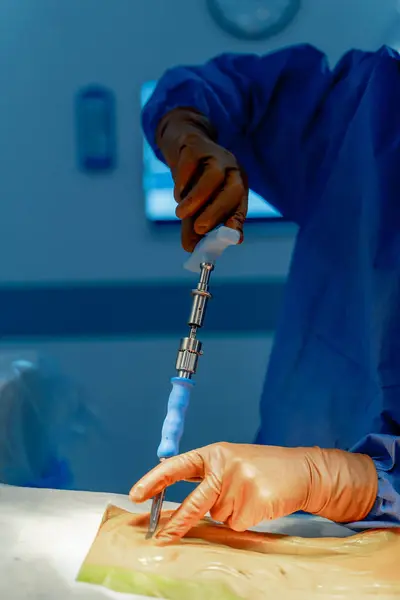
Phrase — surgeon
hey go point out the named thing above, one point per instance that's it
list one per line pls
(322, 146)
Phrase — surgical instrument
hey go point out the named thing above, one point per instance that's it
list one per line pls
(202, 260)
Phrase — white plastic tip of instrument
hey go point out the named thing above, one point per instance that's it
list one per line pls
(211, 247)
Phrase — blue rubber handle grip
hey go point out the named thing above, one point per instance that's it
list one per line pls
(175, 420)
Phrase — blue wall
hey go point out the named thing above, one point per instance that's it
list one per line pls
(62, 230)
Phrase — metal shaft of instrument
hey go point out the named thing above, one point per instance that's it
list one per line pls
(155, 514)
(186, 363)
(191, 348)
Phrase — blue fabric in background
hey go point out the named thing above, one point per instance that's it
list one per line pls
(42, 416)
(323, 146)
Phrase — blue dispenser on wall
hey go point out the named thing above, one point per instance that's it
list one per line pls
(96, 129)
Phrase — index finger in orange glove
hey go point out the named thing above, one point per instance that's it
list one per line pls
(178, 468)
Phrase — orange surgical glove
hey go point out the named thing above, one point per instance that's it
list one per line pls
(242, 485)
(210, 187)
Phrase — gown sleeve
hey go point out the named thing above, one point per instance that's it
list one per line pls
(384, 449)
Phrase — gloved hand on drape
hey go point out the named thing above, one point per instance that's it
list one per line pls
(210, 187)
(242, 485)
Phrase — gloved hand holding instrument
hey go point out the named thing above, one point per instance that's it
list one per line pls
(202, 260)
(242, 485)
(210, 187)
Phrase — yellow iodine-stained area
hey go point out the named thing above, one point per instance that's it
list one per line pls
(215, 563)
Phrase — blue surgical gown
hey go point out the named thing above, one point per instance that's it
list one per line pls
(323, 146)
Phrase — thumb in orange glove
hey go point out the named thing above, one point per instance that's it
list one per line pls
(242, 485)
